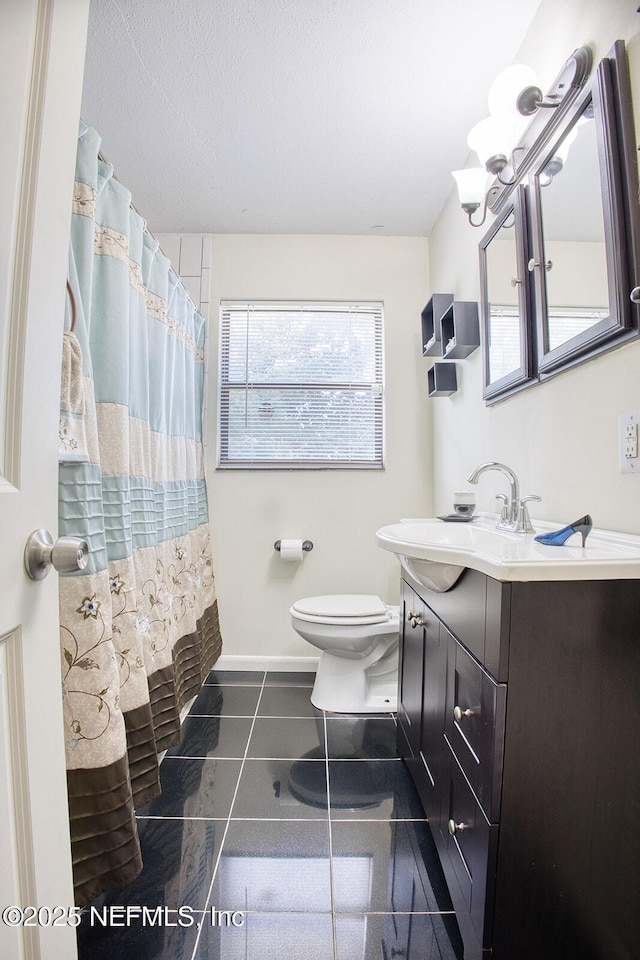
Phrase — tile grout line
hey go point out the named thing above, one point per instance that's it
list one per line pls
(226, 829)
(331, 877)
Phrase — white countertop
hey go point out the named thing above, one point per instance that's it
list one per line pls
(607, 555)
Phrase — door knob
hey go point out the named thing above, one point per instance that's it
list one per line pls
(67, 554)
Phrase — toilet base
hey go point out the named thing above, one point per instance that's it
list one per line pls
(350, 686)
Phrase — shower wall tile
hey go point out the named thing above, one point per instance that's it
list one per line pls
(190, 255)
(170, 246)
(206, 283)
(206, 252)
(193, 286)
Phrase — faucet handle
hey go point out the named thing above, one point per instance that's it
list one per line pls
(504, 512)
(524, 520)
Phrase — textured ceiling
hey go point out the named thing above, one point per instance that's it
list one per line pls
(293, 116)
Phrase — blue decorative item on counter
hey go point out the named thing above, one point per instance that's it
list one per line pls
(558, 537)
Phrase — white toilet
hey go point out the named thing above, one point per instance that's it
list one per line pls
(358, 637)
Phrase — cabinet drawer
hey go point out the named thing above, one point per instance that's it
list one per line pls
(474, 725)
(463, 609)
(470, 844)
(476, 611)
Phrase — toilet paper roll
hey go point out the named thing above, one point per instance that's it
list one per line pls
(291, 550)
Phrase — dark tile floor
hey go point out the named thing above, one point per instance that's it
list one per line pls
(281, 832)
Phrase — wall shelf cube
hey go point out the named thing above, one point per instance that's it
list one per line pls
(432, 315)
(442, 379)
(460, 330)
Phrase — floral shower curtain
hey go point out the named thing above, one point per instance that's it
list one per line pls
(139, 625)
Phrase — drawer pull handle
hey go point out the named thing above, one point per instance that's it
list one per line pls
(459, 713)
(456, 827)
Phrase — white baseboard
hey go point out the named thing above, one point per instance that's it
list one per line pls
(288, 664)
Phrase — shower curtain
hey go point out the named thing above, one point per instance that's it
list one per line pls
(139, 625)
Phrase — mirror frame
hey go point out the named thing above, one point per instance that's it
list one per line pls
(610, 103)
(523, 374)
(610, 90)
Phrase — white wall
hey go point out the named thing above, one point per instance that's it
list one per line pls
(560, 436)
(338, 510)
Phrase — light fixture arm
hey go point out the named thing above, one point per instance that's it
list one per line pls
(514, 178)
(531, 98)
(470, 209)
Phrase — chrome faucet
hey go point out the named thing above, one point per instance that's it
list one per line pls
(515, 513)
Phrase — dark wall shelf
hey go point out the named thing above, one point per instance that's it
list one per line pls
(432, 323)
(451, 330)
(460, 330)
(442, 379)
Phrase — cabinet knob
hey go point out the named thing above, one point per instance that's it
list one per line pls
(456, 827)
(459, 713)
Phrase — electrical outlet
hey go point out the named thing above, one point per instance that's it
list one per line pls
(628, 442)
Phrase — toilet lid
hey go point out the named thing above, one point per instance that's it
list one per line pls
(345, 606)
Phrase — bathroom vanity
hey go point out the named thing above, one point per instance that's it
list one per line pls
(519, 718)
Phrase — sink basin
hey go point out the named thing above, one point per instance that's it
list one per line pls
(436, 553)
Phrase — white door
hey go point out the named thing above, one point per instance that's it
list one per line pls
(42, 46)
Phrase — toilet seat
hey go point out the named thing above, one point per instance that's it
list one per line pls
(342, 609)
(358, 639)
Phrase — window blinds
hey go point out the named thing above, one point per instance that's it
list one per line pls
(301, 385)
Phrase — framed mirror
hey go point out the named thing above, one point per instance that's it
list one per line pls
(504, 303)
(581, 242)
(569, 244)
(576, 220)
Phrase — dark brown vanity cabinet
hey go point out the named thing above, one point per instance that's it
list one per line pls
(523, 738)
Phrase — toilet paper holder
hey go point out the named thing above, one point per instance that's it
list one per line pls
(307, 545)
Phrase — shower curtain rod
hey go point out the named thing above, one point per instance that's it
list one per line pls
(102, 157)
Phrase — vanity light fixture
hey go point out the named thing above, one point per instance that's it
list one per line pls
(515, 99)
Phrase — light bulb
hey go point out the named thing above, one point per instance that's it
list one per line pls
(560, 154)
(493, 139)
(507, 88)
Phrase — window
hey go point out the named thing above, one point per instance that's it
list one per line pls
(301, 385)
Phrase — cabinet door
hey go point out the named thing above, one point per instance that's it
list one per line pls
(474, 725)
(467, 844)
(410, 672)
(432, 743)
